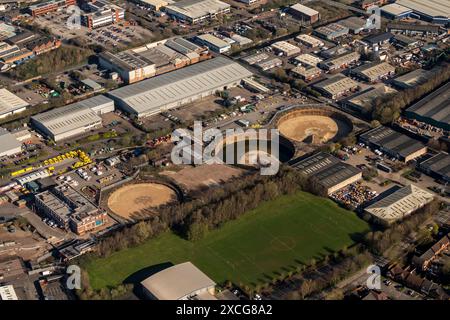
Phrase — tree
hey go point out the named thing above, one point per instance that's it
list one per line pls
(197, 231)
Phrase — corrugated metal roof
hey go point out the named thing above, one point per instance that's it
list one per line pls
(8, 141)
(151, 94)
(70, 117)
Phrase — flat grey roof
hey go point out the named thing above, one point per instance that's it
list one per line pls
(9, 102)
(392, 140)
(413, 78)
(326, 169)
(435, 106)
(8, 141)
(197, 8)
(151, 94)
(431, 8)
(67, 118)
(439, 163)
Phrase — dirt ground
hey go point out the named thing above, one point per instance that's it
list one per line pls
(206, 175)
(132, 198)
(320, 128)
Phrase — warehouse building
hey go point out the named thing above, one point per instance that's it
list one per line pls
(395, 11)
(183, 281)
(405, 41)
(331, 31)
(354, 24)
(129, 65)
(308, 59)
(434, 109)
(10, 104)
(74, 119)
(285, 48)
(378, 39)
(340, 62)
(269, 64)
(213, 43)
(195, 11)
(153, 59)
(393, 143)
(304, 13)
(337, 86)
(154, 4)
(70, 210)
(412, 79)
(179, 87)
(399, 204)
(255, 58)
(334, 52)
(326, 173)
(438, 166)
(374, 71)
(9, 145)
(435, 11)
(306, 73)
(414, 29)
(309, 41)
(362, 102)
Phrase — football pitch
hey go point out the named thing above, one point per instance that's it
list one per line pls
(276, 237)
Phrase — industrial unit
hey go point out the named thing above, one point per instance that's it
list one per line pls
(438, 166)
(129, 65)
(436, 11)
(304, 13)
(326, 172)
(354, 24)
(414, 29)
(153, 59)
(393, 143)
(412, 79)
(341, 61)
(179, 87)
(399, 204)
(73, 119)
(154, 4)
(285, 48)
(10, 104)
(194, 11)
(395, 11)
(331, 31)
(374, 71)
(9, 145)
(434, 109)
(306, 73)
(49, 6)
(337, 86)
(269, 64)
(362, 102)
(183, 281)
(307, 59)
(214, 43)
(309, 41)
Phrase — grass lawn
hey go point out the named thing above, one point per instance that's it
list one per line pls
(276, 237)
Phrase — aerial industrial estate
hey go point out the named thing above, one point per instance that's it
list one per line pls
(91, 110)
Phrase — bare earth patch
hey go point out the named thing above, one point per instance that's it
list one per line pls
(135, 197)
(204, 175)
(320, 128)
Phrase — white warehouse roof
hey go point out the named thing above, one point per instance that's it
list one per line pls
(177, 282)
(67, 118)
(197, 8)
(304, 9)
(9, 145)
(432, 8)
(149, 96)
(400, 203)
(9, 102)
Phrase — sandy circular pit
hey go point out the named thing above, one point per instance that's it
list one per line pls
(132, 198)
(304, 127)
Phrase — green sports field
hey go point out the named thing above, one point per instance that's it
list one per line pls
(274, 238)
